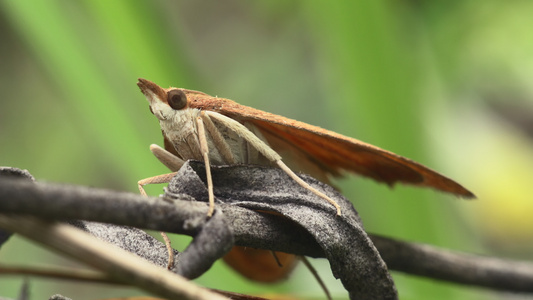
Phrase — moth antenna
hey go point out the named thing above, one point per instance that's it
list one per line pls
(304, 184)
(219, 141)
(246, 134)
(270, 154)
(205, 153)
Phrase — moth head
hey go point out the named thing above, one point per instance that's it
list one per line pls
(164, 103)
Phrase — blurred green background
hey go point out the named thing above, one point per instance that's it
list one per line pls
(446, 83)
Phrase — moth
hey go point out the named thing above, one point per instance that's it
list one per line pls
(220, 131)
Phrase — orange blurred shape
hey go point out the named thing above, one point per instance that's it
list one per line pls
(261, 265)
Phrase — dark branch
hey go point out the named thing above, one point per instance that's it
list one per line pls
(429, 261)
(62, 202)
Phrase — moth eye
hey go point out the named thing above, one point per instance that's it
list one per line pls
(176, 99)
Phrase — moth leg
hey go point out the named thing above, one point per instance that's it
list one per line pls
(219, 141)
(170, 160)
(270, 154)
(205, 153)
(170, 250)
(317, 277)
(165, 178)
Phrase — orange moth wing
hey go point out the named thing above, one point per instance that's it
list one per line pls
(329, 151)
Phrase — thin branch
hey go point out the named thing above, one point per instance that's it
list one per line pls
(92, 276)
(317, 277)
(113, 261)
(65, 274)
